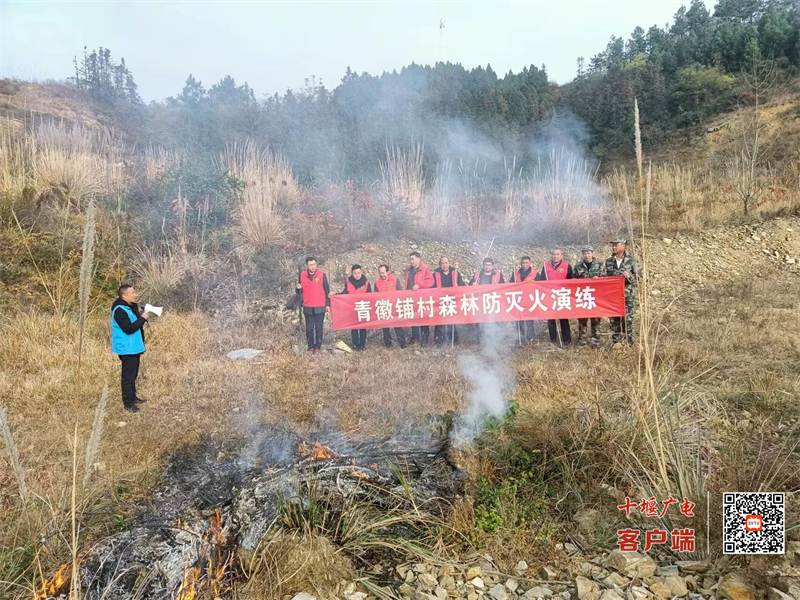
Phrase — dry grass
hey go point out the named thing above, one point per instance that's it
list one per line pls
(67, 162)
(156, 161)
(403, 177)
(159, 272)
(686, 198)
(289, 562)
(718, 385)
(16, 160)
(81, 162)
(708, 373)
(270, 194)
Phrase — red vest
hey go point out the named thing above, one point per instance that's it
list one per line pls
(423, 278)
(530, 276)
(313, 290)
(438, 277)
(389, 285)
(554, 273)
(495, 276)
(351, 289)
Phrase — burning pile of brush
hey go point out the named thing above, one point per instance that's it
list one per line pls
(56, 586)
(213, 506)
(212, 570)
(316, 451)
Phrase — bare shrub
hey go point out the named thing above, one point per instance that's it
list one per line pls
(269, 194)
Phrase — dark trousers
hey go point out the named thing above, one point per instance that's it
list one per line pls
(399, 333)
(314, 325)
(621, 329)
(445, 334)
(525, 331)
(130, 371)
(420, 335)
(594, 337)
(566, 338)
(359, 337)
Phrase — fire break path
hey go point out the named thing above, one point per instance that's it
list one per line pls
(529, 300)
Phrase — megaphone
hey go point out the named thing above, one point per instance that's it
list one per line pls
(156, 310)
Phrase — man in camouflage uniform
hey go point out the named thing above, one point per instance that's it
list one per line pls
(621, 263)
(588, 268)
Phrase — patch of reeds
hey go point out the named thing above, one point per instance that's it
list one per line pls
(269, 194)
(560, 195)
(403, 176)
(66, 158)
(95, 437)
(156, 160)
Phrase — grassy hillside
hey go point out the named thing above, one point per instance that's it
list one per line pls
(704, 402)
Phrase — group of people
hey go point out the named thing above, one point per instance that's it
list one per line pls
(313, 287)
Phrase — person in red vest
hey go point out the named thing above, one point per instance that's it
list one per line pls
(357, 284)
(419, 277)
(553, 270)
(387, 282)
(446, 277)
(315, 292)
(521, 274)
(488, 275)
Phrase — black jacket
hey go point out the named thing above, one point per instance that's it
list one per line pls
(124, 322)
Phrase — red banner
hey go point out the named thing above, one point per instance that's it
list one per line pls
(565, 299)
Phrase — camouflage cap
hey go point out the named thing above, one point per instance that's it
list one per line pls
(587, 249)
(619, 240)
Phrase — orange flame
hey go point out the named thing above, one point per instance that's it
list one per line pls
(188, 589)
(210, 578)
(316, 452)
(354, 472)
(56, 585)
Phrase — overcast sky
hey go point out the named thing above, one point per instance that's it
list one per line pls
(276, 45)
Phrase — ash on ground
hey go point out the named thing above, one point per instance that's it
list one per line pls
(214, 502)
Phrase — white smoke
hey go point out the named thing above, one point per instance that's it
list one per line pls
(490, 378)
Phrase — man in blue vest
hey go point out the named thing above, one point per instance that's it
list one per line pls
(127, 342)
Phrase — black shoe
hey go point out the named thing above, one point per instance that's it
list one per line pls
(140, 400)
(132, 408)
